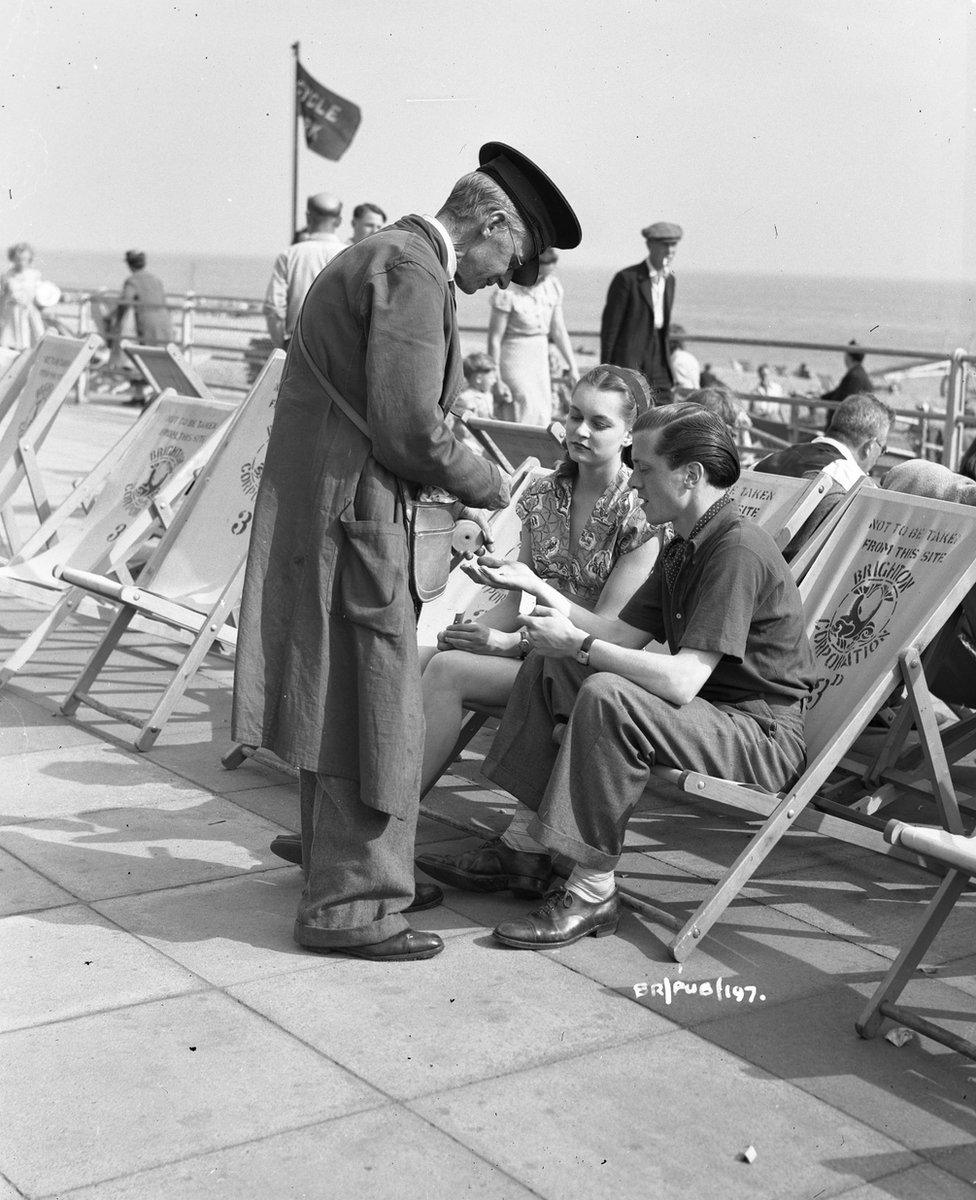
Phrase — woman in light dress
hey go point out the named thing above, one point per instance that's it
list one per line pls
(522, 321)
(21, 323)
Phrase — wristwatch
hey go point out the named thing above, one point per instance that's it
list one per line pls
(583, 653)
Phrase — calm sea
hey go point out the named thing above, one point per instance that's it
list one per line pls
(926, 315)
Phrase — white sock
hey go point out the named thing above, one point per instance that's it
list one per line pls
(591, 886)
(517, 837)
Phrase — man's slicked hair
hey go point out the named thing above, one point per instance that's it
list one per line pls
(692, 434)
(860, 417)
(475, 197)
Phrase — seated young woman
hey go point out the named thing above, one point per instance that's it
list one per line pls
(584, 533)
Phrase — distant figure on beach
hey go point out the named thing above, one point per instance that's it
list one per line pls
(854, 381)
(21, 323)
(767, 409)
(685, 368)
(144, 298)
(475, 399)
(523, 319)
(366, 219)
(708, 377)
(295, 269)
(637, 314)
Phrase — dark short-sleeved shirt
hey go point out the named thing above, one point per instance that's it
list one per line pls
(734, 595)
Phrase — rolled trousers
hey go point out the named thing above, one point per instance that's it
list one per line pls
(585, 790)
(358, 864)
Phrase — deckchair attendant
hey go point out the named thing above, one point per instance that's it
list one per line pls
(726, 697)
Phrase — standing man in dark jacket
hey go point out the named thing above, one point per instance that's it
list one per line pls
(637, 314)
(327, 666)
(854, 381)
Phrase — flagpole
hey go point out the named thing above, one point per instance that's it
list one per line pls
(294, 149)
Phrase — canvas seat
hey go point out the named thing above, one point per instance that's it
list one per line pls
(508, 442)
(32, 392)
(191, 584)
(127, 496)
(164, 367)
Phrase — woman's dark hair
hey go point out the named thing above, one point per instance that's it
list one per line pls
(633, 392)
(692, 434)
(135, 259)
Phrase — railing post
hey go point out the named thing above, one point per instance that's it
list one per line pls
(955, 409)
(186, 328)
(923, 430)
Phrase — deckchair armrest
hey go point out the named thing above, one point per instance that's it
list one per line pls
(89, 581)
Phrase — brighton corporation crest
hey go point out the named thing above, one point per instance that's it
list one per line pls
(163, 461)
(252, 470)
(859, 623)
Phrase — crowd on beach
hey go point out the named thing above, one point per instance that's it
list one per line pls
(632, 544)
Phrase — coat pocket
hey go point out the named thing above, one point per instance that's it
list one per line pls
(373, 574)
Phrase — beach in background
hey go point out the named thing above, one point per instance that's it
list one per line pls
(905, 314)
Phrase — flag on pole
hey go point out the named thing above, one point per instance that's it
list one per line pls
(330, 122)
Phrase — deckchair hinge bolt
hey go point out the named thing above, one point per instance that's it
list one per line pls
(701, 785)
(695, 932)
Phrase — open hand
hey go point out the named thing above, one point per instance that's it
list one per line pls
(477, 639)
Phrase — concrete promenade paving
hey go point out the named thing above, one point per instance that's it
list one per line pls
(162, 1036)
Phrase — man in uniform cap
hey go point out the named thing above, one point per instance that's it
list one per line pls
(637, 314)
(327, 664)
(295, 268)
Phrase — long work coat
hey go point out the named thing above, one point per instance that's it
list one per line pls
(327, 674)
(628, 337)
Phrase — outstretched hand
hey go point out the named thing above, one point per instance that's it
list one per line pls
(508, 574)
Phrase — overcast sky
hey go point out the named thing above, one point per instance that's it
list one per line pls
(834, 137)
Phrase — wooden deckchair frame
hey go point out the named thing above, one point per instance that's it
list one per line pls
(22, 465)
(508, 442)
(164, 367)
(884, 1003)
(205, 627)
(115, 558)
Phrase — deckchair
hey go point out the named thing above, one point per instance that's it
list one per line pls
(165, 367)
(780, 503)
(31, 394)
(872, 604)
(958, 853)
(508, 442)
(124, 497)
(191, 585)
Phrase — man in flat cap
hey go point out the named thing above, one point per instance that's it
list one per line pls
(637, 314)
(327, 663)
(296, 268)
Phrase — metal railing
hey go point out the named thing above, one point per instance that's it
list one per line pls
(930, 430)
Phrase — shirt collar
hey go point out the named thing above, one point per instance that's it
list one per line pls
(656, 276)
(845, 450)
(445, 237)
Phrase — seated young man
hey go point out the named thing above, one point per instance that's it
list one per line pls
(722, 691)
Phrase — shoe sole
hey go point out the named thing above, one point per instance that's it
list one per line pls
(524, 886)
(519, 944)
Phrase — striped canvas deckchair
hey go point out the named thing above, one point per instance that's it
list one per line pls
(31, 394)
(191, 583)
(124, 498)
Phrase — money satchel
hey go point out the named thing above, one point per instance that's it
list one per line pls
(430, 523)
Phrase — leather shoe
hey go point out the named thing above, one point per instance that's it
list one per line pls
(426, 895)
(493, 867)
(289, 847)
(563, 919)
(405, 946)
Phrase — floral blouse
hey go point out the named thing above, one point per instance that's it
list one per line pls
(616, 526)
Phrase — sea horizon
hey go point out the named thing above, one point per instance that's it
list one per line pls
(931, 315)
